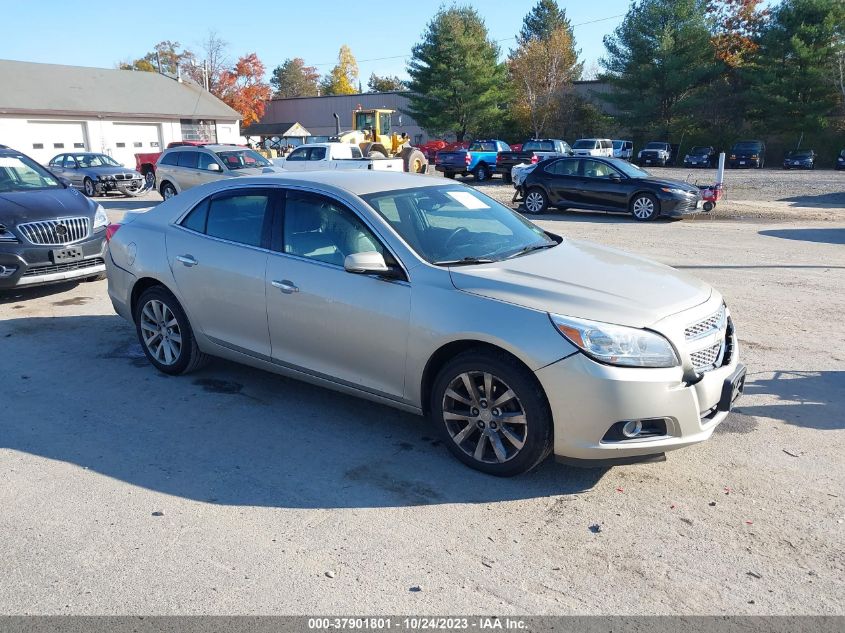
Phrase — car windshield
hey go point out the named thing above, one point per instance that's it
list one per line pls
(655, 146)
(540, 146)
(699, 150)
(242, 159)
(799, 153)
(746, 147)
(632, 171)
(453, 224)
(842, 154)
(19, 173)
(95, 160)
(584, 143)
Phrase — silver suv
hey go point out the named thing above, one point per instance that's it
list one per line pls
(181, 168)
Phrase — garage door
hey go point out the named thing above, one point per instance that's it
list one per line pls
(129, 139)
(48, 138)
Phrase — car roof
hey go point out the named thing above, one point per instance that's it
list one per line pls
(354, 181)
(214, 147)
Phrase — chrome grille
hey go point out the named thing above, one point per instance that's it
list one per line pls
(705, 327)
(707, 358)
(56, 232)
(126, 177)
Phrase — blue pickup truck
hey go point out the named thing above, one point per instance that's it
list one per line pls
(479, 160)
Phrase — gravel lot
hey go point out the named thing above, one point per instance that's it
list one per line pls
(233, 491)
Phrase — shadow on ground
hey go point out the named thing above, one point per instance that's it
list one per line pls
(811, 399)
(819, 236)
(22, 295)
(823, 200)
(79, 390)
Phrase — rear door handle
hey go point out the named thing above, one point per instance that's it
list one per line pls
(286, 286)
(188, 260)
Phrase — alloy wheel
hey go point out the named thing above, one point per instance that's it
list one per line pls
(643, 208)
(161, 332)
(484, 417)
(534, 202)
(168, 193)
(88, 187)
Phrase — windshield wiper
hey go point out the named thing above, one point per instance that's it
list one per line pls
(465, 261)
(530, 248)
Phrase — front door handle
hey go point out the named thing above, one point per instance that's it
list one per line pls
(286, 286)
(188, 260)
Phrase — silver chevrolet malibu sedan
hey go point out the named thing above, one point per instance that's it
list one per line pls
(429, 296)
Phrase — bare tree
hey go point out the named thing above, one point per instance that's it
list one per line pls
(211, 62)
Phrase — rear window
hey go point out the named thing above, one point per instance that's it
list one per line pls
(483, 146)
(538, 146)
(169, 159)
(585, 143)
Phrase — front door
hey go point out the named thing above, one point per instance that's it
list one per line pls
(348, 327)
(218, 256)
(72, 172)
(599, 189)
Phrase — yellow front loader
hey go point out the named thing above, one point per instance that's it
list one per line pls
(372, 132)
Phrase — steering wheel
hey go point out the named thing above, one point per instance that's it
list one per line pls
(461, 230)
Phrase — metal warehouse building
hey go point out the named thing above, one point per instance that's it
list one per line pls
(47, 109)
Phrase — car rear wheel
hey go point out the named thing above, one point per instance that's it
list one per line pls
(481, 173)
(507, 177)
(536, 200)
(168, 191)
(165, 333)
(644, 207)
(492, 413)
(88, 188)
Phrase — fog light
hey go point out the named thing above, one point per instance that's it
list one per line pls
(7, 271)
(632, 428)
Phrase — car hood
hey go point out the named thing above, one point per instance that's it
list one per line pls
(256, 171)
(108, 170)
(586, 280)
(47, 204)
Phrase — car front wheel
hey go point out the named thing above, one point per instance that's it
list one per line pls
(168, 191)
(492, 413)
(165, 333)
(88, 188)
(644, 207)
(536, 200)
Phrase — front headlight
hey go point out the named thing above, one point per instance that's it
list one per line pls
(617, 344)
(101, 220)
(677, 192)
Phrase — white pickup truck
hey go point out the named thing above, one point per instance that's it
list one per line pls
(322, 156)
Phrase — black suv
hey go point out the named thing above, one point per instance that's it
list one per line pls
(49, 232)
(748, 154)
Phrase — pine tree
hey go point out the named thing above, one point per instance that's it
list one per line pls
(294, 79)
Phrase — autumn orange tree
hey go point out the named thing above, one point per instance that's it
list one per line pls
(243, 88)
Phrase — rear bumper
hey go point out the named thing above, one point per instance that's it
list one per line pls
(33, 266)
(121, 282)
(588, 398)
(450, 169)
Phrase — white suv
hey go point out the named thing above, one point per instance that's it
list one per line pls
(593, 147)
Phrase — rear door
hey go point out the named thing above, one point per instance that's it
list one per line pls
(186, 170)
(564, 181)
(218, 255)
(316, 159)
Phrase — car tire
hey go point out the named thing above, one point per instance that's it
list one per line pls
(482, 439)
(149, 179)
(507, 178)
(481, 172)
(644, 207)
(165, 334)
(88, 188)
(536, 201)
(168, 191)
(708, 206)
(449, 174)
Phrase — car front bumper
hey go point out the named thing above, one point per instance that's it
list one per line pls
(588, 399)
(743, 162)
(676, 206)
(34, 266)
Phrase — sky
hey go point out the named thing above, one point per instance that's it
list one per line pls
(380, 34)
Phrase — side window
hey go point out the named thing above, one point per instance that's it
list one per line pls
(70, 162)
(317, 153)
(169, 159)
(188, 159)
(356, 152)
(321, 229)
(57, 161)
(563, 167)
(238, 218)
(205, 160)
(597, 169)
(196, 218)
(301, 153)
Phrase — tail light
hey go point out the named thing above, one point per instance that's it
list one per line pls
(111, 229)
(535, 159)
(498, 159)
(467, 158)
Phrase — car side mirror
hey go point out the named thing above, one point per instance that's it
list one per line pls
(214, 167)
(616, 178)
(365, 263)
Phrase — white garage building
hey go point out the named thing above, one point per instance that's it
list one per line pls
(48, 109)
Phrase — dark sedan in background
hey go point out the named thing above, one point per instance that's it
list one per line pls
(49, 232)
(95, 174)
(606, 184)
(800, 159)
(700, 156)
(840, 160)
